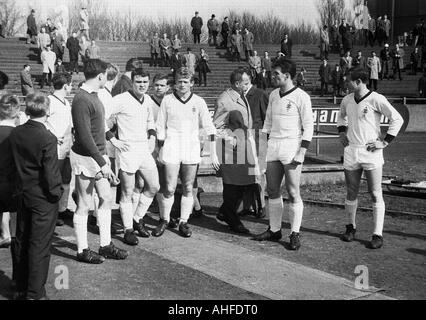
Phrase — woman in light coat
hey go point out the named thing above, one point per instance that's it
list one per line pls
(374, 65)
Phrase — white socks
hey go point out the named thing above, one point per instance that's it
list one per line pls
(135, 200)
(80, 227)
(275, 214)
(63, 203)
(142, 208)
(126, 210)
(104, 221)
(165, 206)
(197, 205)
(296, 214)
(186, 205)
(350, 208)
(379, 217)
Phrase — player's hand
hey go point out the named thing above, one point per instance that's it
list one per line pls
(344, 139)
(299, 158)
(376, 145)
(120, 145)
(214, 161)
(106, 172)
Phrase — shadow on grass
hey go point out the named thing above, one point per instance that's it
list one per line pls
(408, 235)
(417, 251)
(5, 286)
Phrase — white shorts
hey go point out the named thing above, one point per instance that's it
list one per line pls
(86, 166)
(177, 150)
(357, 157)
(137, 158)
(64, 149)
(283, 150)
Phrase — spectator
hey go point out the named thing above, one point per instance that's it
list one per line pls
(43, 39)
(190, 60)
(337, 80)
(397, 61)
(203, 67)
(1, 30)
(84, 22)
(414, 61)
(31, 28)
(380, 31)
(237, 46)
(286, 46)
(236, 27)
(346, 62)
(255, 64)
(359, 61)
(49, 27)
(278, 56)
(423, 59)
(371, 30)
(165, 50)
(58, 44)
(335, 37)
(348, 39)
(422, 86)
(9, 112)
(93, 51)
(225, 32)
(39, 190)
(300, 78)
(74, 47)
(84, 44)
(385, 57)
(324, 73)
(196, 24)
(60, 68)
(125, 83)
(176, 43)
(324, 43)
(248, 40)
(375, 68)
(387, 28)
(154, 43)
(48, 59)
(176, 62)
(4, 80)
(27, 86)
(419, 33)
(266, 69)
(213, 26)
(343, 28)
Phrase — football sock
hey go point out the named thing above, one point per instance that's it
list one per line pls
(275, 214)
(126, 210)
(296, 214)
(104, 220)
(350, 208)
(142, 208)
(186, 205)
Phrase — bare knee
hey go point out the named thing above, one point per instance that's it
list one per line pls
(187, 189)
(294, 196)
(376, 196)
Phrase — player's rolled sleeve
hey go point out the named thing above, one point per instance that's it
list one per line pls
(395, 119)
(307, 121)
(206, 120)
(342, 118)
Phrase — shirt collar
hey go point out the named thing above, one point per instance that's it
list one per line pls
(8, 123)
(87, 88)
(249, 88)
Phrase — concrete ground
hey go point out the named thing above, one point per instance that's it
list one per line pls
(218, 264)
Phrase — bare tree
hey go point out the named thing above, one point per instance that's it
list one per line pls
(9, 17)
(330, 11)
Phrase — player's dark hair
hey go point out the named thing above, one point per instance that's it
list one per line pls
(358, 73)
(94, 67)
(139, 73)
(9, 106)
(112, 71)
(133, 64)
(37, 105)
(4, 80)
(286, 65)
(60, 79)
(162, 76)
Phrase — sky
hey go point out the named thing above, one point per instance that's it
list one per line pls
(291, 11)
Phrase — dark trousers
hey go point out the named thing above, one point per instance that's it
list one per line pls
(36, 223)
(65, 169)
(232, 197)
(324, 87)
(74, 65)
(371, 38)
(224, 42)
(201, 76)
(396, 70)
(414, 65)
(373, 84)
(196, 38)
(154, 59)
(47, 79)
(385, 69)
(249, 53)
(337, 89)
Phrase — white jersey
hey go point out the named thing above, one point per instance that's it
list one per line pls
(182, 119)
(289, 115)
(155, 108)
(106, 98)
(134, 117)
(362, 118)
(60, 124)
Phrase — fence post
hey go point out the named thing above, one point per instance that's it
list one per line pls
(404, 100)
(317, 151)
(335, 100)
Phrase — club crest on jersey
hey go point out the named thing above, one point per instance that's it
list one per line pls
(364, 112)
(194, 110)
(288, 106)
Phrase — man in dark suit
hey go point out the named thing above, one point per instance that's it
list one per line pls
(325, 74)
(73, 46)
(225, 32)
(176, 62)
(196, 24)
(257, 100)
(39, 189)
